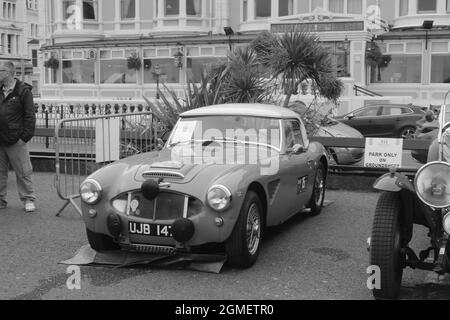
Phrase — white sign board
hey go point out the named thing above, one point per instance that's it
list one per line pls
(383, 153)
(107, 140)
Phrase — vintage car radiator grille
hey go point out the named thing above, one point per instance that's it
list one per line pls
(166, 206)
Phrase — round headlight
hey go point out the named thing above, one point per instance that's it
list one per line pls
(219, 198)
(90, 191)
(432, 184)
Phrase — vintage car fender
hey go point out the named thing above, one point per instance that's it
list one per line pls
(394, 182)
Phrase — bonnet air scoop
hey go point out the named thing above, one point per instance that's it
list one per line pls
(162, 170)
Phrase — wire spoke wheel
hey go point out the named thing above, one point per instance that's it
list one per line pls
(253, 229)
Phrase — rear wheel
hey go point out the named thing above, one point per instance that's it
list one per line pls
(318, 192)
(101, 242)
(243, 245)
(385, 249)
(407, 133)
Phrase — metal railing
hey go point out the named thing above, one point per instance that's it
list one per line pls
(365, 91)
(84, 145)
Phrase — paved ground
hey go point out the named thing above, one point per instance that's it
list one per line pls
(323, 257)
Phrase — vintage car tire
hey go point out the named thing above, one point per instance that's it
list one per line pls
(318, 192)
(101, 242)
(237, 245)
(385, 247)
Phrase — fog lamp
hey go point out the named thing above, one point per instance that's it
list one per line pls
(92, 213)
(183, 230)
(432, 184)
(114, 225)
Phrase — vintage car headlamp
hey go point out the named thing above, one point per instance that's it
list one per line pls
(432, 184)
(90, 191)
(219, 198)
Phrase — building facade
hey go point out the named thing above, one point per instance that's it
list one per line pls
(19, 38)
(123, 49)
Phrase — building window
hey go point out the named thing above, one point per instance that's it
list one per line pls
(403, 8)
(354, 6)
(426, 6)
(440, 68)
(172, 7)
(86, 8)
(169, 73)
(336, 6)
(194, 7)
(128, 9)
(316, 4)
(78, 71)
(398, 68)
(285, 7)
(34, 58)
(448, 6)
(262, 8)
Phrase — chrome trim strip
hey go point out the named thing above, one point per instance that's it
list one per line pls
(185, 207)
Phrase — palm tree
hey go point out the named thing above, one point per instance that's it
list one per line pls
(295, 57)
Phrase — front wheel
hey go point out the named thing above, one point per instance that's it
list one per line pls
(242, 247)
(385, 249)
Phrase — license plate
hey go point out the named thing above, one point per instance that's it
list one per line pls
(150, 229)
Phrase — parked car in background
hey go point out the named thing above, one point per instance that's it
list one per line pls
(386, 120)
(319, 125)
(427, 129)
(187, 197)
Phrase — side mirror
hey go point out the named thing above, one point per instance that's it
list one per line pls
(350, 116)
(159, 144)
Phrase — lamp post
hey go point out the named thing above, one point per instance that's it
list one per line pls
(345, 46)
(157, 73)
(228, 32)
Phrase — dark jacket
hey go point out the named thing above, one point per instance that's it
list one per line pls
(17, 115)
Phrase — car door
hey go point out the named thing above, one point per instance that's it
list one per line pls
(364, 120)
(298, 172)
(387, 123)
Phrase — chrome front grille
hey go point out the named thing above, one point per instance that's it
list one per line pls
(162, 174)
(166, 206)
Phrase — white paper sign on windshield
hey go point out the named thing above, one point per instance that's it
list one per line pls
(383, 153)
(184, 131)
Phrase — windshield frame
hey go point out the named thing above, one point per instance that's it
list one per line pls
(170, 145)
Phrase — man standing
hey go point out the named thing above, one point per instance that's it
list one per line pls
(17, 123)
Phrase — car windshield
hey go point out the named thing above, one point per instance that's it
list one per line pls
(227, 129)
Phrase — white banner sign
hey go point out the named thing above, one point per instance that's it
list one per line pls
(383, 153)
(107, 139)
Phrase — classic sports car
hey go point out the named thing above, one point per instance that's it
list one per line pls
(225, 173)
